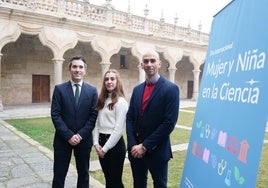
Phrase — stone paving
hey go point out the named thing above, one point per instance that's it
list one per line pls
(24, 163)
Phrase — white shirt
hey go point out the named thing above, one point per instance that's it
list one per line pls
(111, 122)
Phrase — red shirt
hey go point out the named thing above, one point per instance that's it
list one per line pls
(146, 95)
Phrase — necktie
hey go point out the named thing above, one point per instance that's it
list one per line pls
(76, 95)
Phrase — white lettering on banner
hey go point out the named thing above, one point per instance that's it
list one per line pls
(248, 61)
(221, 50)
(227, 92)
(251, 61)
(219, 69)
(244, 95)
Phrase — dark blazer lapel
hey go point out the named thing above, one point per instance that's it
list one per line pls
(82, 93)
(70, 92)
(140, 94)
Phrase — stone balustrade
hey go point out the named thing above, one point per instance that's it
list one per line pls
(108, 16)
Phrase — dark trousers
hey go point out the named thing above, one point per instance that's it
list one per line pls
(113, 162)
(140, 168)
(62, 158)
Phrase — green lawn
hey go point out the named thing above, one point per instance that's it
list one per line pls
(42, 130)
(185, 118)
(180, 136)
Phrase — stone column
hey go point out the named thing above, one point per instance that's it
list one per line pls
(141, 74)
(105, 67)
(1, 102)
(196, 84)
(172, 72)
(57, 71)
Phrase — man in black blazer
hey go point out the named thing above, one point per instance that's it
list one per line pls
(152, 115)
(73, 122)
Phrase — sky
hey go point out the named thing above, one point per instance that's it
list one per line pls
(189, 12)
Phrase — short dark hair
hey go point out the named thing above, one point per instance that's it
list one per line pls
(77, 57)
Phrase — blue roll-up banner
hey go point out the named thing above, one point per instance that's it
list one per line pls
(231, 114)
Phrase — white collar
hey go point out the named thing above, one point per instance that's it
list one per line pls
(80, 83)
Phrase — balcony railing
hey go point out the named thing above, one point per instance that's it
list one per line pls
(108, 16)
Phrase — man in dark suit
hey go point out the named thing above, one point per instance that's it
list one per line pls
(152, 115)
(73, 114)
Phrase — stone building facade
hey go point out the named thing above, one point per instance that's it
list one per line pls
(38, 37)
